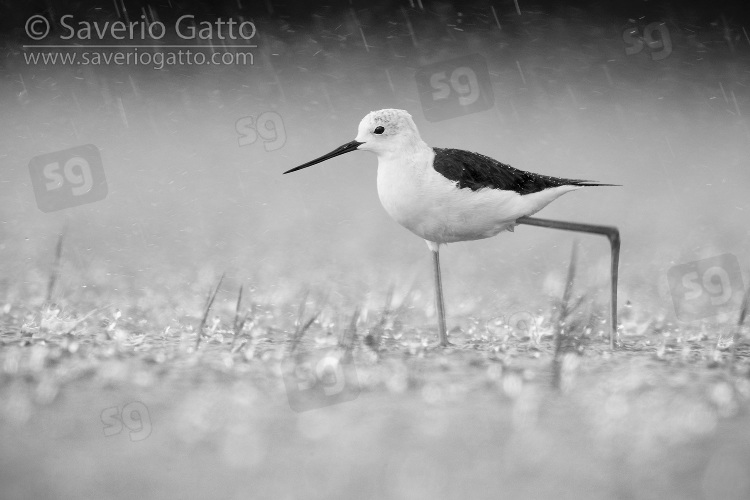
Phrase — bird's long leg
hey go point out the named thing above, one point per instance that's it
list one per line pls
(612, 234)
(440, 305)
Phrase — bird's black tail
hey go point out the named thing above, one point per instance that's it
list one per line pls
(575, 182)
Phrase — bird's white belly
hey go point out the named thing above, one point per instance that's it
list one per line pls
(434, 208)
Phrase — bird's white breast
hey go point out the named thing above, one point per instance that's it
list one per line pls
(434, 208)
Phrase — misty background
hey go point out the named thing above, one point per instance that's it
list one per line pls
(186, 201)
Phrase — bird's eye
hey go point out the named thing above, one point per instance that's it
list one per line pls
(379, 130)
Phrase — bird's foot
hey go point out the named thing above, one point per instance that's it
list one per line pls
(439, 345)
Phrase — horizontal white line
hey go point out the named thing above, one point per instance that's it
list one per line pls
(137, 46)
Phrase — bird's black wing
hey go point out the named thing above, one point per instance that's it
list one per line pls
(474, 171)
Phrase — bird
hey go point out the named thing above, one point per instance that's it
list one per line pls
(446, 195)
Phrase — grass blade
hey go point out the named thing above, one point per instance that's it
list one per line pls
(55, 272)
(209, 303)
(738, 328)
(565, 310)
(303, 327)
(239, 323)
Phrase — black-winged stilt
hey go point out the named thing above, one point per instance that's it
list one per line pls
(450, 195)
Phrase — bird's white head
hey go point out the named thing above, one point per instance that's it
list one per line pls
(384, 132)
(388, 131)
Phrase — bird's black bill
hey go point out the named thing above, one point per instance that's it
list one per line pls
(349, 146)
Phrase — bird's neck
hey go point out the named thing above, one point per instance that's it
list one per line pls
(405, 150)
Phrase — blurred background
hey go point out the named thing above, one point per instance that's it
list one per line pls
(650, 95)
